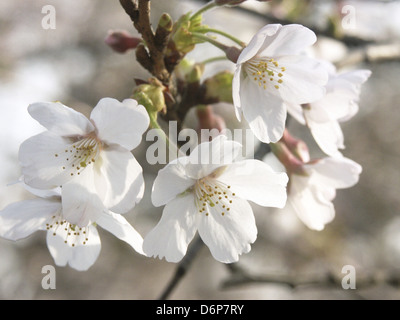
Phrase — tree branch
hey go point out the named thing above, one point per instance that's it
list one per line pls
(153, 61)
(270, 18)
(372, 53)
(240, 277)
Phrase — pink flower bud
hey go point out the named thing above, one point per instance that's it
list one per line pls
(296, 146)
(209, 120)
(121, 41)
(292, 164)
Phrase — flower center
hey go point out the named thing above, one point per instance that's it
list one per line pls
(211, 193)
(265, 70)
(79, 155)
(72, 234)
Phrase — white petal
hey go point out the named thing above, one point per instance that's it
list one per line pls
(229, 235)
(41, 193)
(42, 158)
(60, 119)
(312, 208)
(122, 229)
(265, 113)
(20, 219)
(119, 179)
(80, 256)
(296, 111)
(262, 38)
(343, 92)
(288, 40)
(328, 135)
(80, 201)
(120, 123)
(171, 181)
(208, 156)
(303, 80)
(336, 172)
(254, 180)
(236, 82)
(176, 228)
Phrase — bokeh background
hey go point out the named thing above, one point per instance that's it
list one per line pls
(72, 64)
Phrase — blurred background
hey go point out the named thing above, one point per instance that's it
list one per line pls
(72, 64)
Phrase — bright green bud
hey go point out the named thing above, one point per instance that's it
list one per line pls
(151, 96)
(182, 33)
(195, 73)
(189, 71)
(219, 86)
(165, 22)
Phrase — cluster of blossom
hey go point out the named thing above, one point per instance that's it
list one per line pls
(84, 175)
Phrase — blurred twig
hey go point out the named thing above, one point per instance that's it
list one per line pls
(182, 268)
(327, 32)
(372, 53)
(240, 277)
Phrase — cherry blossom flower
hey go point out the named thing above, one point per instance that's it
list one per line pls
(271, 72)
(68, 243)
(208, 192)
(93, 155)
(339, 104)
(311, 195)
(312, 185)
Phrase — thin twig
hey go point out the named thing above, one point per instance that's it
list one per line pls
(240, 277)
(270, 18)
(372, 53)
(182, 267)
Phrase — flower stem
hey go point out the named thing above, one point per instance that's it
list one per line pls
(214, 59)
(203, 9)
(224, 34)
(210, 40)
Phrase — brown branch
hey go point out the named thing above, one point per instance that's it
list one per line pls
(130, 8)
(153, 61)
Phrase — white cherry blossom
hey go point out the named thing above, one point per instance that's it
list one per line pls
(208, 192)
(79, 247)
(311, 195)
(89, 158)
(273, 71)
(339, 104)
(312, 189)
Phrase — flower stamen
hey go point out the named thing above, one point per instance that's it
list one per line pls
(211, 193)
(79, 155)
(261, 67)
(72, 234)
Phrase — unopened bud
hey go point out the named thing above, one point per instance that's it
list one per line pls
(298, 147)
(292, 164)
(182, 34)
(208, 119)
(121, 41)
(164, 29)
(195, 73)
(165, 22)
(151, 96)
